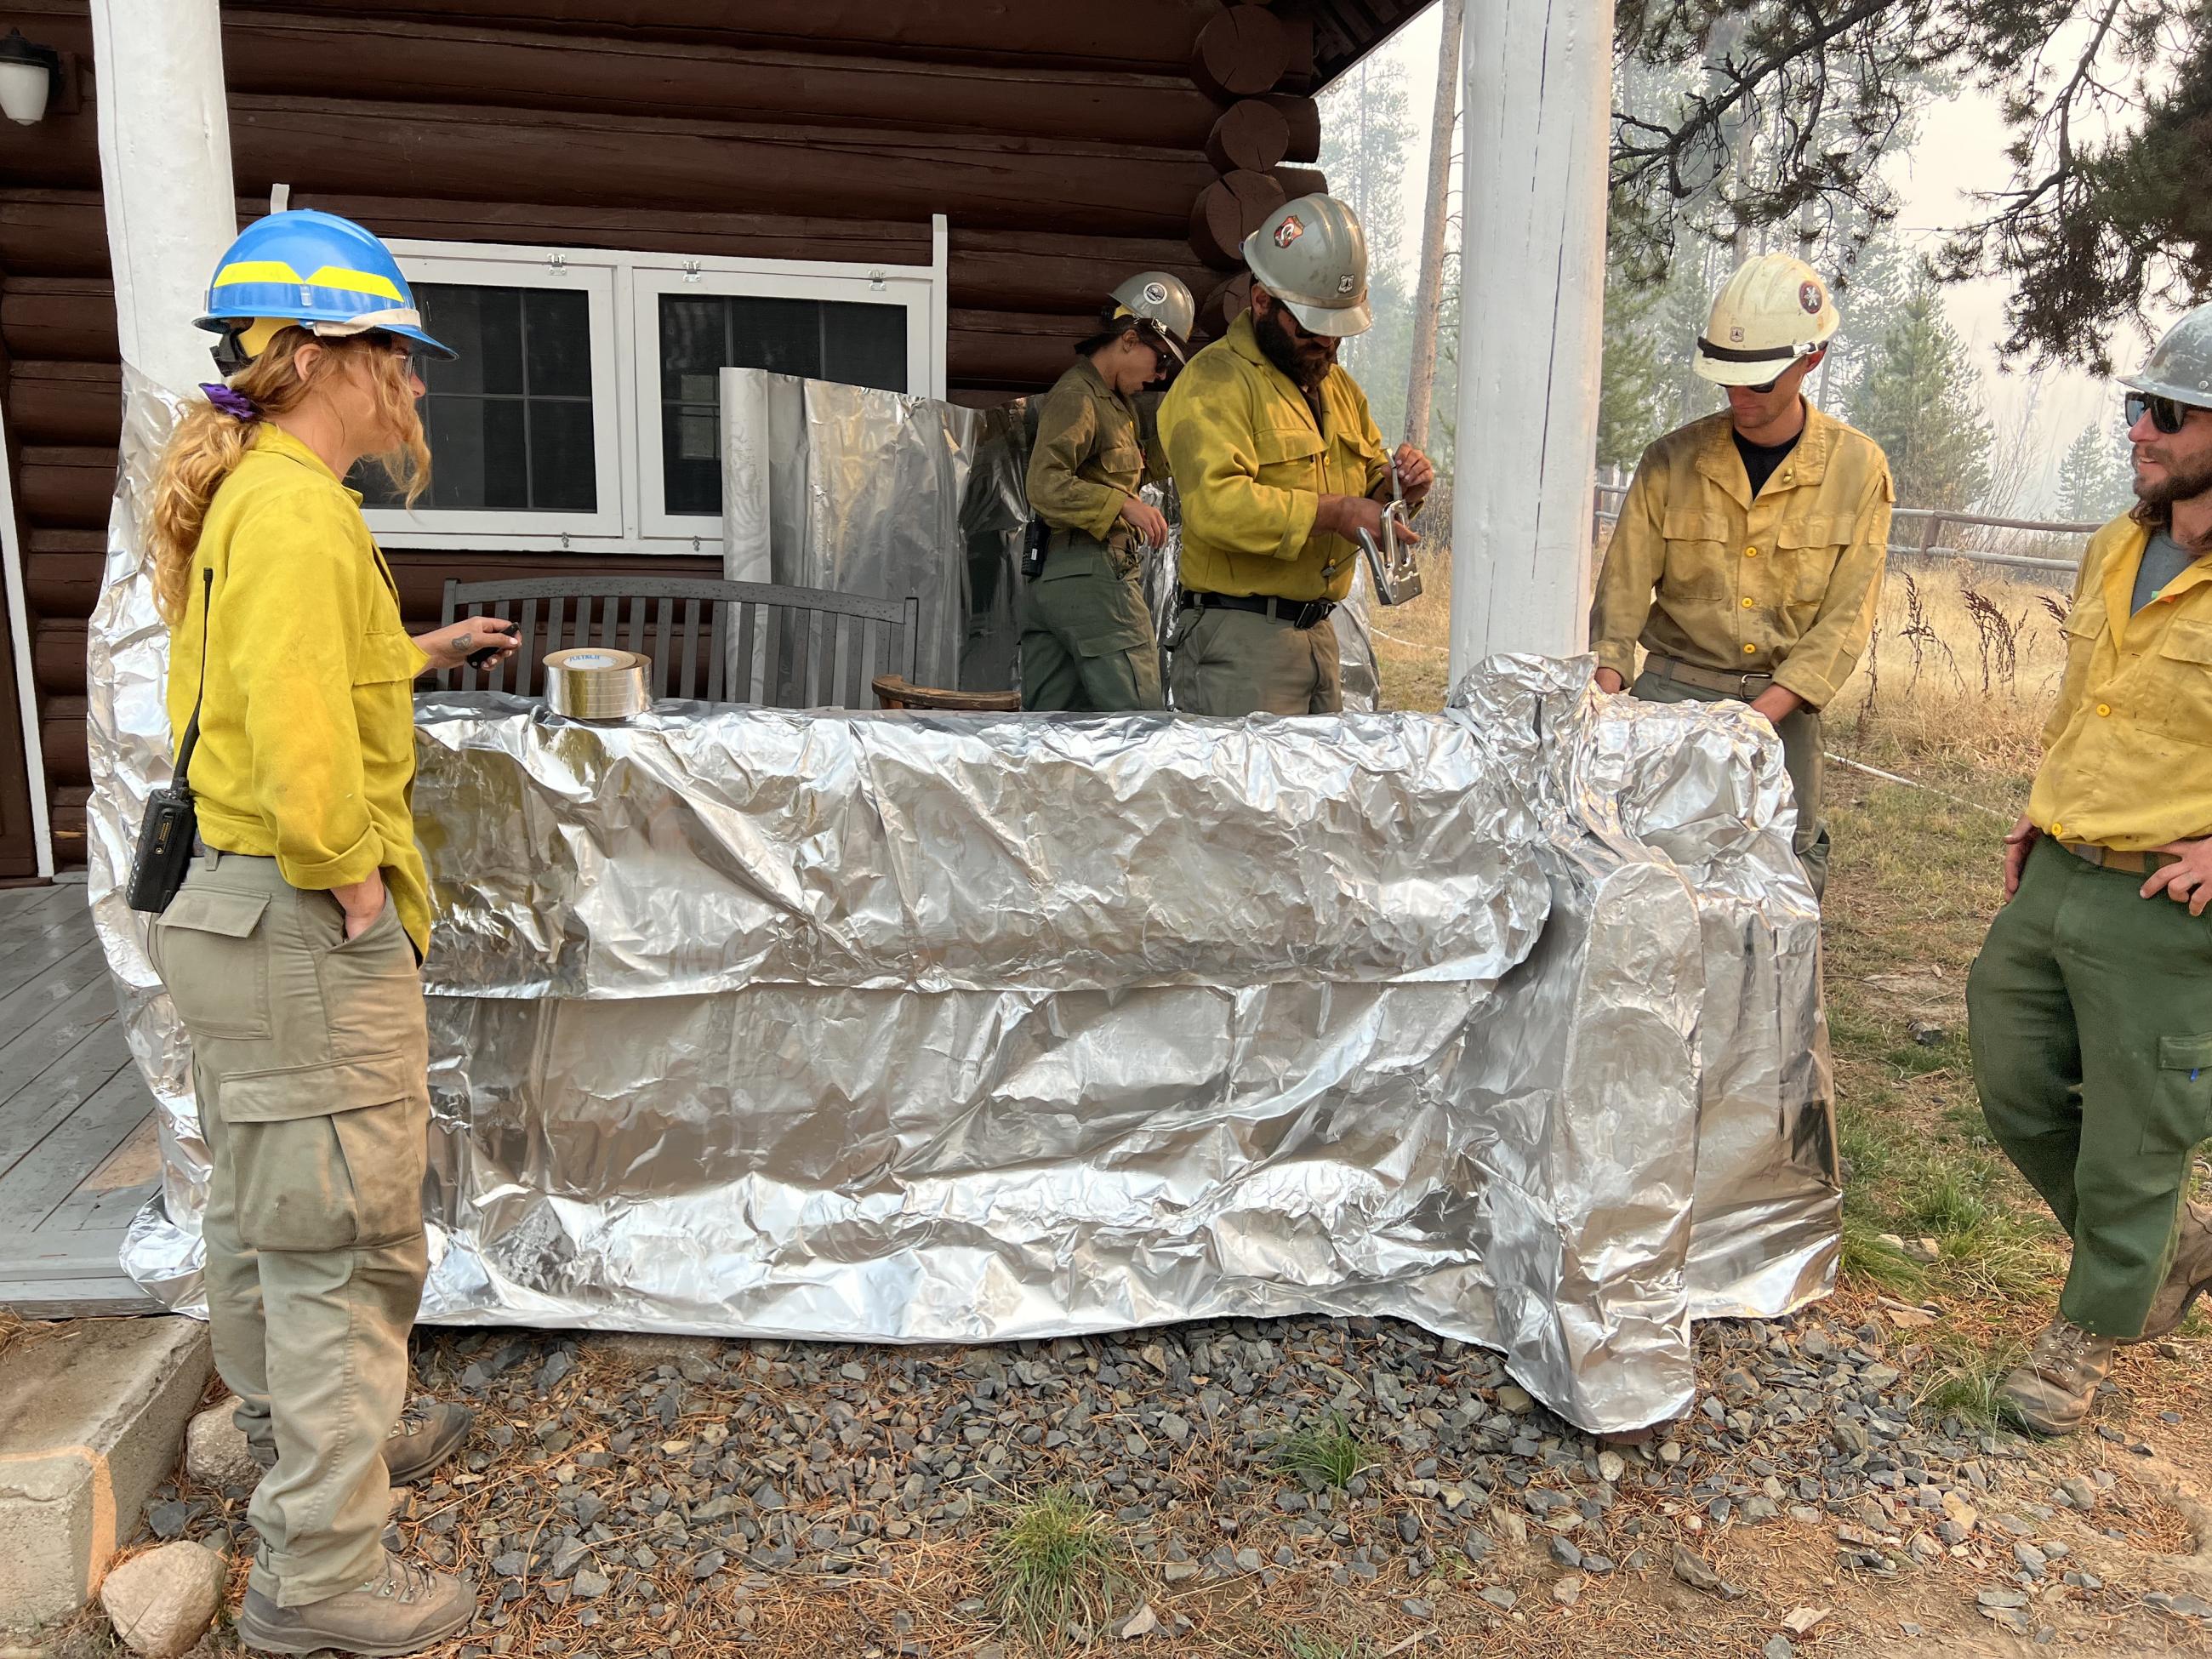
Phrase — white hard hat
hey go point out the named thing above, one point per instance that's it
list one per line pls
(1772, 311)
(2181, 367)
(1312, 255)
(1163, 299)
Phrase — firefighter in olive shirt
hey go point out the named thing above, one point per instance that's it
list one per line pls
(2089, 1009)
(1748, 557)
(1087, 636)
(1279, 465)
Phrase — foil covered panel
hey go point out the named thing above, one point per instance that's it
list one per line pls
(900, 1028)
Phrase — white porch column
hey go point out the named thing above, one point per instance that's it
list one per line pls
(1532, 309)
(165, 174)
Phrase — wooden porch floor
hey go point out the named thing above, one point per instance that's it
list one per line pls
(78, 1153)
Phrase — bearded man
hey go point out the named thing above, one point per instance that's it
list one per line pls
(2090, 1008)
(1278, 466)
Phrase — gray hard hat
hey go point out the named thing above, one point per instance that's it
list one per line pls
(2180, 366)
(1164, 301)
(1312, 255)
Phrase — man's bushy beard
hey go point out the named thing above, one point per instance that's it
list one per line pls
(2154, 502)
(1279, 347)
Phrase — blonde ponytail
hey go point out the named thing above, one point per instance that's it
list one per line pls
(209, 443)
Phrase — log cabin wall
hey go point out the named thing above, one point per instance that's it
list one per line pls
(1069, 146)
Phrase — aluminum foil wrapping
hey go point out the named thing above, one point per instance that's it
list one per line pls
(885, 494)
(906, 1028)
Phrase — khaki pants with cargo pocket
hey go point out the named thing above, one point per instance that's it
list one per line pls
(310, 1059)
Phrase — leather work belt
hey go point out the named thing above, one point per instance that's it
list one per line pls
(1299, 613)
(1745, 686)
(2110, 858)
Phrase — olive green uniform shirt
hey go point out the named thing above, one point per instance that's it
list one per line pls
(1089, 456)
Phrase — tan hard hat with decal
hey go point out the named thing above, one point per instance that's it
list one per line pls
(1312, 255)
(1772, 311)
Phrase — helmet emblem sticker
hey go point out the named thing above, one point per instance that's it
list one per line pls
(1156, 294)
(1808, 295)
(1343, 284)
(307, 295)
(1289, 231)
(1735, 336)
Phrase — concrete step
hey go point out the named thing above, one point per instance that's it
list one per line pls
(92, 1418)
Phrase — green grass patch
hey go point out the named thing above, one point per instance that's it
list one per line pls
(1055, 1560)
(1328, 1453)
(1301, 1643)
(1870, 1259)
(1965, 1384)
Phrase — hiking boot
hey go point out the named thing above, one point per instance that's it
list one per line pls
(2188, 1278)
(2050, 1391)
(412, 1449)
(404, 1609)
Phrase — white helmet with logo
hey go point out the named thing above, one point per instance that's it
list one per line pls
(1312, 255)
(2181, 367)
(1163, 299)
(1772, 311)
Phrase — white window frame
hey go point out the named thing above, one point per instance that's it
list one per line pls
(652, 279)
(597, 275)
(625, 289)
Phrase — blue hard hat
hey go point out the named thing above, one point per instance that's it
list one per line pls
(325, 273)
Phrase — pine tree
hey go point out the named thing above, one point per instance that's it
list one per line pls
(1368, 144)
(1920, 399)
(1791, 106)
(2096, 481)
(1630, 400)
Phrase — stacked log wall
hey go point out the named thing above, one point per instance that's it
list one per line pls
(1065, 145)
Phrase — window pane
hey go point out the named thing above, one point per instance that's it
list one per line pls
(484, 325)
(489, 432)
(859, 344)
(511, 423)
(558, 341)
(560, 479)
(864, 345)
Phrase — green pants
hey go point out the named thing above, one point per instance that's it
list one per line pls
(310, 1059)
(1800, 758)
(2089, 1013)
(1239, 662)
(1087, 641)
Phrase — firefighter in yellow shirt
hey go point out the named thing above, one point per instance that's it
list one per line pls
(1748, 557)
(2089, 1009)
(1278, 466)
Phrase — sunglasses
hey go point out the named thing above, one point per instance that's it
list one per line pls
(2166, 414)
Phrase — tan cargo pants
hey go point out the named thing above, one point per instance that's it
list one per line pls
(1239, 662)
(310, 1057)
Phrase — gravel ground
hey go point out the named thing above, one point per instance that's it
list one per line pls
(660, 1496)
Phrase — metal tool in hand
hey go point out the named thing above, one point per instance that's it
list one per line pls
(1390, 564)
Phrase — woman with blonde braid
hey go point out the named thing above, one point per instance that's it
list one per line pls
(292, 951)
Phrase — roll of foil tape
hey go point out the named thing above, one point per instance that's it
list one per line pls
(594, 682)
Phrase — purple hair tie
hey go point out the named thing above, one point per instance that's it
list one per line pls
(235, 404)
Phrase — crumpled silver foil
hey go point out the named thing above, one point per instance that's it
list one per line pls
(906, 1028)
(886, 494)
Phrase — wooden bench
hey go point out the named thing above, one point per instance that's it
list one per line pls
(709, 642)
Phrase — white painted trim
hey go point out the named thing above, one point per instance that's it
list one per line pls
(940, 301)
(591, 273)
(19, 638)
